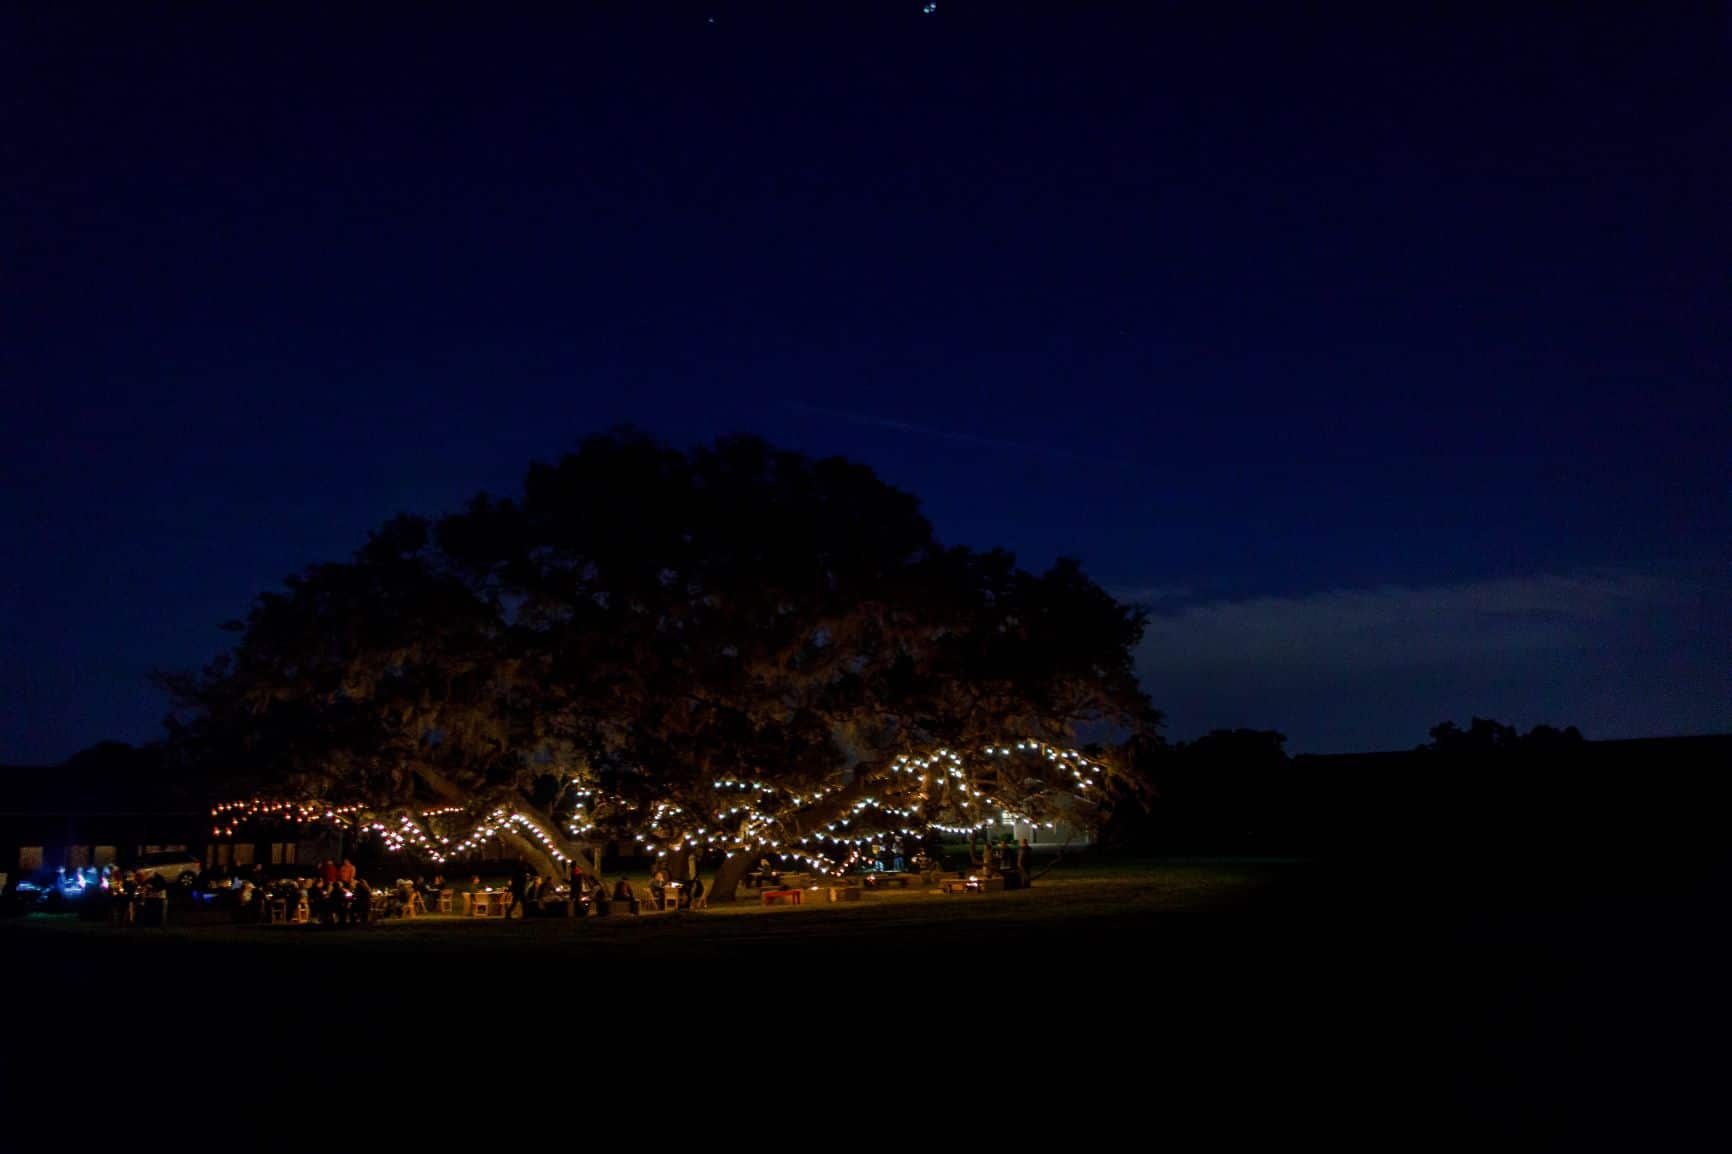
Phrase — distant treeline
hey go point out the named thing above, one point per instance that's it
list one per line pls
(1486, 791)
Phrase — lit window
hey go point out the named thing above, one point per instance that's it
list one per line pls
(29, 857)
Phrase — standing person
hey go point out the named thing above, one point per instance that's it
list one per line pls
(579, 894)
(519, 886)
(120, 896)
(328, 872)
(346, 873)
(1022, 863)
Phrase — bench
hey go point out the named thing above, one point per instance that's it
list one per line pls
(844, 893)
(791, 897)
(976, 885)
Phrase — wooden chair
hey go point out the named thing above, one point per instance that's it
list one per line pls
(442, 901)
(417, 904)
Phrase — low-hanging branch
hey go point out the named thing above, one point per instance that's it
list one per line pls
(914, 795)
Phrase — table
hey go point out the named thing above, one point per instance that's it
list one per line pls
(792, 897)
(488, 903)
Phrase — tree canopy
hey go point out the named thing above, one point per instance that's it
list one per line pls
(730, 650)
(1485, 735)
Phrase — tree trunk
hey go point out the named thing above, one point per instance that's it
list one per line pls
(729, 875)
(822, 812)
(535, 853)
(530, 847)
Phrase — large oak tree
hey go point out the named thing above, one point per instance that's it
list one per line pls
(723, 651)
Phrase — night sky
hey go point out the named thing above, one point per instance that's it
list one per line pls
(1384, 356)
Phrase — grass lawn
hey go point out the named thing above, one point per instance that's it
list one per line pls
(1369, 986)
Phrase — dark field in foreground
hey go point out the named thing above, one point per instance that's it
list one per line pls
(1345, 992)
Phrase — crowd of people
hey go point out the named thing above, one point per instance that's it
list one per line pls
(336, 895)
(125, 891)
(1002, 859)
(689, 895)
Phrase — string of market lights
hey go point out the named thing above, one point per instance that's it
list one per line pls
(756, 833)
(406, 833)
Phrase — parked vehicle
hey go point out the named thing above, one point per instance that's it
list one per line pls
(179, 868)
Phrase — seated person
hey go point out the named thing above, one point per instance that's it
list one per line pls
(623, 892)
(340, 904)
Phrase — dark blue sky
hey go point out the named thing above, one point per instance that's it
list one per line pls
(1384, 356)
